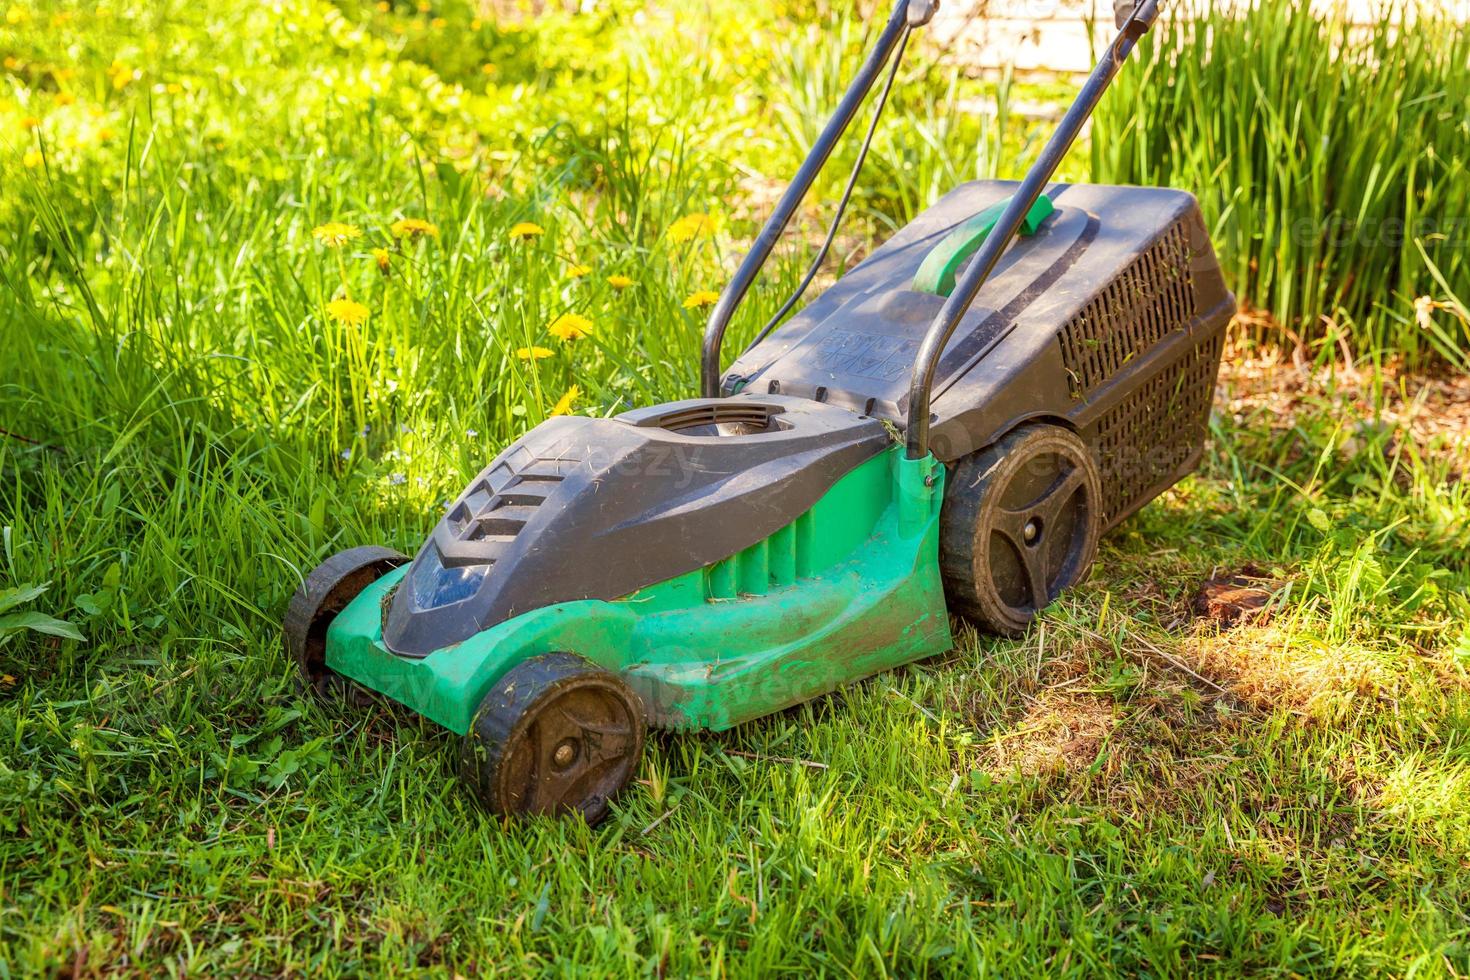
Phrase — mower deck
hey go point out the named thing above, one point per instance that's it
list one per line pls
(851, 588)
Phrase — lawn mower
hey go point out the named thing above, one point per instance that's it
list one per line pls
(949, 427)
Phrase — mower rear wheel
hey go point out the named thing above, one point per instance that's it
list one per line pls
(326, 591)
(1020, 524)
(555, 736)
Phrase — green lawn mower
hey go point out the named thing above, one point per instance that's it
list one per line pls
(908, 445)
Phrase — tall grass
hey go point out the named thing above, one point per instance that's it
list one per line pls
(1330, 158)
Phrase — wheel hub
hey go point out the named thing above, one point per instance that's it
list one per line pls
(1032, 531)
(565, 754)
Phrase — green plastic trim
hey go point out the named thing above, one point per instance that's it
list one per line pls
(850, 589)
(942, 264)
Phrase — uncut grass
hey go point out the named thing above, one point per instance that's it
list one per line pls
(1073, 802)
(1329, 159)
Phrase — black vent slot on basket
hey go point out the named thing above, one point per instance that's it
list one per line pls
(1149, 439)
(715, 420)
(1151, 298)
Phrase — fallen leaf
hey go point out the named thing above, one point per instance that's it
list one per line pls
(1232, 599)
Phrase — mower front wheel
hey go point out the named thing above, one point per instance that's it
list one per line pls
(1020, 524)
(326, 591)
(556, 735)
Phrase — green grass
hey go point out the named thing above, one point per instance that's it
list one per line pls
(185, 431)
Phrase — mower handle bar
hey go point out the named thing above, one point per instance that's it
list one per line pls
(1137, 24)
(908, 15)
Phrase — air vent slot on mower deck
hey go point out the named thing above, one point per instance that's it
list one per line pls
(1150, 439)
(498, 508)
(1153, 297)
(713, 419)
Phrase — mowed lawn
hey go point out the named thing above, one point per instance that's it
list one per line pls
(200, 398)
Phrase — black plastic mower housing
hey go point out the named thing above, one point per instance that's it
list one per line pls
(587, 508)
(1109, 321)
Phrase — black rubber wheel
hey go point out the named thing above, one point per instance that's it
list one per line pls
(555, 736)
(326, 592)
(1020, 525)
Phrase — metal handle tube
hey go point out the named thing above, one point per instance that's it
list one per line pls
(760, 251)
(986, 259)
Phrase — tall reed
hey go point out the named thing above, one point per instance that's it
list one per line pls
(1325, 155)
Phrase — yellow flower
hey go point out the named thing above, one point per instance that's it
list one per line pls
(104, 134)
(335, 234)
(438, 23)
(29, 122)
(577, 271)
(380, 256)
(348, 311)
(413, 228)
(384, 6)
(619, 282)
(526, 230)
(565, 403)
(121, 74)
(15, 15)
(487, 69)
(424, 8)
(12, 62)
(532, 353)
(701, 298)
(65, 98)
(570, 326)
(691, 226)
(174, 88)
(33, 158)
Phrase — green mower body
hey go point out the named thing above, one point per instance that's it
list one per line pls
(849, 589)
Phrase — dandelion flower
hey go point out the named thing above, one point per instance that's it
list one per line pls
(121, 74)
(525, 231)
(438, 23)
(335, 234)
(487, 69)
(701, 298)
(565, 403)
(65, 98)
(33, 158)
(577, 271)
(380, 256)
(347, 311)
(413, 228)
(174, 88)
(570, 326)
(619, 283)
(691, 226)
(30, 122)
(12, 62)
(532, 353)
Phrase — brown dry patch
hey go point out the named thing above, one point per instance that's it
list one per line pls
(1274, 387)
(1266, 668)
(1060, 732)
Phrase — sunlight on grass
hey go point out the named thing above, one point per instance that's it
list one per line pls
(277, 279)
